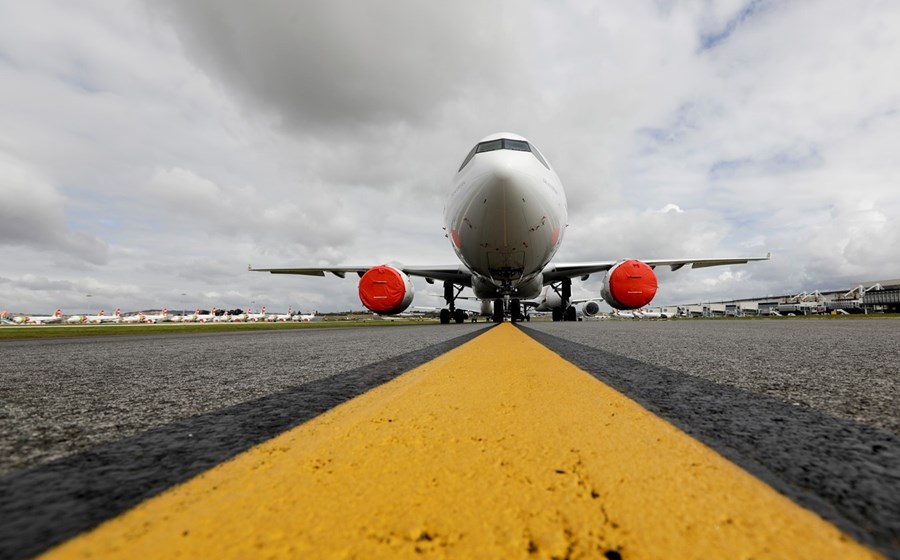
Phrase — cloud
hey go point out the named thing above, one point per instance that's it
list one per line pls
(32, 214)
(158, 147)
(181, 190)
(321, 65)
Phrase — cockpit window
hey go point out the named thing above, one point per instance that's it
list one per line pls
(489, 146)
(540, 158)
(517, 145)
(468, 158)
(503, 144)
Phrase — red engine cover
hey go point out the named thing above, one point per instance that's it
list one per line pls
(630, 285)
(384, 289)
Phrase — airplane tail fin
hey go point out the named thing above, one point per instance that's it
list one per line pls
(58, 313)
(118, 312)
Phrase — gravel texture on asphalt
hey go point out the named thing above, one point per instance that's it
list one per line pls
(809, 406)
(93, 427)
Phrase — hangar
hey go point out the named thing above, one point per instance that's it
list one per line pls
(881, 296)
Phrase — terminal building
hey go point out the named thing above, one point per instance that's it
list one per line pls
(867, 297)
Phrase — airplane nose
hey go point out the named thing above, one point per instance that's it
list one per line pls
(503, 173)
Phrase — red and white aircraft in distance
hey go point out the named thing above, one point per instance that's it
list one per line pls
(505, 219)
(102, 317)
(35, 319)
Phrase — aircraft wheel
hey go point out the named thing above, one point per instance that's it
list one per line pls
(445, 316)
(459, 316)
(557, 314)
(571, 314)
(515, 311)
(497, 315)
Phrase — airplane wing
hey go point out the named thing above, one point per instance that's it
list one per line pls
(555, 272)
(454, 273)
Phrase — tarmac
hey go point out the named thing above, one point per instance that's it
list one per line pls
(608, 439)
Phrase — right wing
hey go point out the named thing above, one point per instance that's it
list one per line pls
(555, 272)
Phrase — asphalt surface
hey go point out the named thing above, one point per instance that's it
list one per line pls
(809, 406)
(93, 426)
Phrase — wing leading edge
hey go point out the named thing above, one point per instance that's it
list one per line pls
(555, 272)
(444, 273)
(552, 273)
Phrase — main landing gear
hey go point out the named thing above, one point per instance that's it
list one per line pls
(564, 312)
(451, 292)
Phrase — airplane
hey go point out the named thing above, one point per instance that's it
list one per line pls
(550, 300)
(305, 318)
(623, 314)
(261, 316)
(131, 319)
(282, 317)
(227, 317)
(201, 317)
(643, 314)
(506, 218)
(36, 319)
(156, 318)
(101, 317)
(183, 318)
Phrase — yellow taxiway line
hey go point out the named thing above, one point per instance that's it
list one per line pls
(496, 449)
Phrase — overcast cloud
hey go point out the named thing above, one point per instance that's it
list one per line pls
(150, 150)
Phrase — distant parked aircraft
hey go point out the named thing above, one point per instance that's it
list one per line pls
(305, 318)
(101, 317)
(36, 319)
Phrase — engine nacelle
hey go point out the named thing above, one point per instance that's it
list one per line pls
(590, 308)
(385, 290)
(629, 284)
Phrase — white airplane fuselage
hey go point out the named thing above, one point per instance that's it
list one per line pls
(506, 218)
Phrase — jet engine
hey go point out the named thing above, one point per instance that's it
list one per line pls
(590, 308)
(629, 284)
(385, 290)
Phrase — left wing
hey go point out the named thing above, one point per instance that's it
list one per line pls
(453, 273)
(555, 272)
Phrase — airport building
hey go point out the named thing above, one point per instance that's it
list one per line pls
(867, 297)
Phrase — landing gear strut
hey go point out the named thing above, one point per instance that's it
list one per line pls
(564, 312)
(451, 292)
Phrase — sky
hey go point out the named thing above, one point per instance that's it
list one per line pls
(151, 150)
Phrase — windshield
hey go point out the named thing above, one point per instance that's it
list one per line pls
(503, 144)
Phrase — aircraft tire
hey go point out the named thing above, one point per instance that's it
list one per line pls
(497, 315)
(515, 311)
(557, 314)
(445, 316)
(571, 314)
(459, 316)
